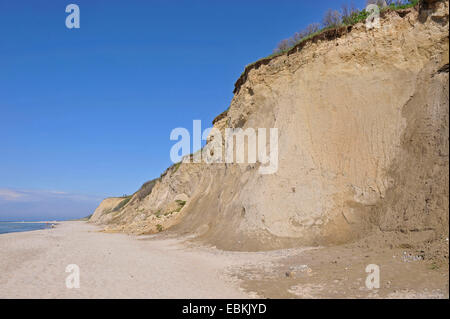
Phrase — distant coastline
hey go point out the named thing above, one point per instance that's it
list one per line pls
(23, 226)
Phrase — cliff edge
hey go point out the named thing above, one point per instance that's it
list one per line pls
(363, 147)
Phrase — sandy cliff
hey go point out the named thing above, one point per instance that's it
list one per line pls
(362, 117)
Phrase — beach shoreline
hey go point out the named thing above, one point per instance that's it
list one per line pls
(33, 265)
(31, 222)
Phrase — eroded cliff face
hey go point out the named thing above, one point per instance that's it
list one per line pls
(363, 146)
(104, 210)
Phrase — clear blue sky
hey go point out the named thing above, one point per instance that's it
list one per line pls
(90, 110)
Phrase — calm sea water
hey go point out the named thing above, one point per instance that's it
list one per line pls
(10, 227)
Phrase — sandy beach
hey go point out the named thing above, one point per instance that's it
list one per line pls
(33, 264)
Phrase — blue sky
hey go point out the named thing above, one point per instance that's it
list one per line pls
(89, 111)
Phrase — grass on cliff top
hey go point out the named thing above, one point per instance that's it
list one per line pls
(350, 20)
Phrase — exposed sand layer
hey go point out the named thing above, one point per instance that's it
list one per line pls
(363, 141)
(32, 265)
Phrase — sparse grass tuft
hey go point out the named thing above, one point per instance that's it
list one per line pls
(434, 266)
(146, 189)
(181, 204)
(176, 167)
(121, 204)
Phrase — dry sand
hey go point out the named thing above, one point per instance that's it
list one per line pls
(32, 265)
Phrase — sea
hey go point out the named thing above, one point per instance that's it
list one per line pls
(13, 227)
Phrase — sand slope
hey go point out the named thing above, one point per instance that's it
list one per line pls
(363, 147)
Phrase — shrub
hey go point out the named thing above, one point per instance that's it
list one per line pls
(159, 228)
(332, 19)
(350, 14)
(355, 17)
(286, 44)
(312, 28)
(282, 46)
(305, 33)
